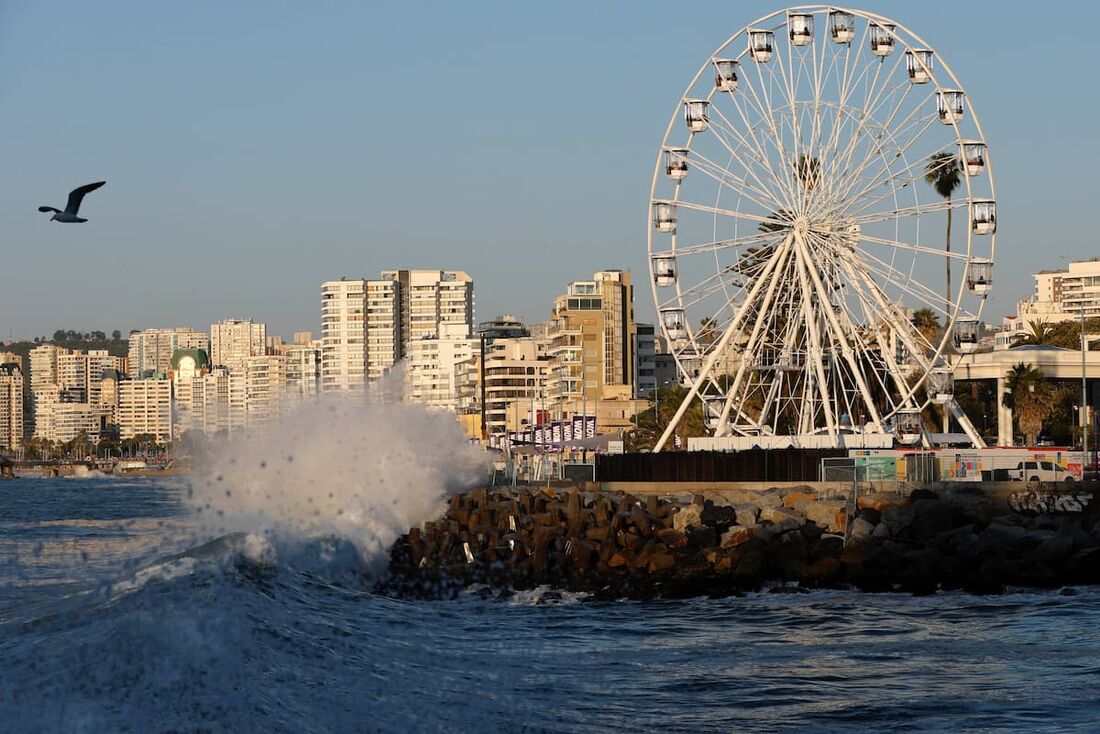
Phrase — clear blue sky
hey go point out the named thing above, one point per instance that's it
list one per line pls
(253, 150)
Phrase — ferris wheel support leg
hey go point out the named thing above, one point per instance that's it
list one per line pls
(780, 260)
(840, 337)
(704, 374)
(967, 426)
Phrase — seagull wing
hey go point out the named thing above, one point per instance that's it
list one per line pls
(49, 209)
(77, 195)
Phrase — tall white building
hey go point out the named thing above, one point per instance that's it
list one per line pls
(82, 373)
(423, 316)
(11, 406)
(44, 365)
(145, 407)
(151, 350)
(360, 332)
(58, 419)
(303, 371)
(220, 401)
(431, 298)
(431, 364)
(437, 329)
(1061, 295)
(265, 385)
(233, 341)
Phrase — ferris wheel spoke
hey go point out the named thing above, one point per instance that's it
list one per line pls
(724, 244)
(847, 84)
(859, 285)
(925, 296)
(911, 211)
(767, 112)
(843, 162)
(782, 183)
(911, 174)
(774, 277)
(900, 128)
(857, 178)
(731, 213)
(758, 193)
(914, 341)
(758, 155)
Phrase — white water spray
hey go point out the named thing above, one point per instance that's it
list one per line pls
(359, 471)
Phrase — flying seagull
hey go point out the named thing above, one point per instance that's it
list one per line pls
(75, 197)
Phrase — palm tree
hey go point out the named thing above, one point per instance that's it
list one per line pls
(807, 170)
(928, 326)
(942, 174)
(1041, 335)
(651, 423)
(1027, 395)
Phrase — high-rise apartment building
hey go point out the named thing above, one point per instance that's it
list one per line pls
(151, 350)
(594, 337)
(11, 405)
(187, 366)
(367, 326)
(303, 371)
(360, 332)
(81, 373)
(1062, 295)
(145, 407)
(431, 362)
(59, 419)
(220, 401)
(265, 384)
(233, 341)
(431, 298)
(44, 367)
(515, 374)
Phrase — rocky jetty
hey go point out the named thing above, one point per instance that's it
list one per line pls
(621, 546)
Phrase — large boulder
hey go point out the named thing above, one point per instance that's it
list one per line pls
(1055, 549)
(898, 518)
(932, 518)
(861, 529)
(829, 514)
(688, 516)
(776, 515)
(746, 514)
(719, 517)
(703, 537)
(737, 535)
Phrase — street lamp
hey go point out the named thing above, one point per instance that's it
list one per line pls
(1084, 379)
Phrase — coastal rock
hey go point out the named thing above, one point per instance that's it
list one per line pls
(719, 517)
(736, 536)
(746, 514)
(688, 516)
(1055, 549)
(898, 518)
(832, 515)
(861, 529)
(776, 515)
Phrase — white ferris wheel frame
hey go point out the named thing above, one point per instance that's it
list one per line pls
(795, 252)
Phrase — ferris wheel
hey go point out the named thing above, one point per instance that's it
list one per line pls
(823, 184)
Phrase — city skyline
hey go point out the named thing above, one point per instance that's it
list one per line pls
(234, 147)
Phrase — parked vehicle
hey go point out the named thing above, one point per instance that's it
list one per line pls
(1041, 471)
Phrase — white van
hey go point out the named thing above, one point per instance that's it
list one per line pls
(1041, 471)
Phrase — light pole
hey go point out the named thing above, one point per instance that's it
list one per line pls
(1084, 412)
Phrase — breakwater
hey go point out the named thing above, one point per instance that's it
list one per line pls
(617, 545)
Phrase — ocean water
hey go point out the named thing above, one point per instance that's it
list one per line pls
(117, 615)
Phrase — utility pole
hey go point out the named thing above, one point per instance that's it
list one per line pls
(484, 424)
(1084, 394)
